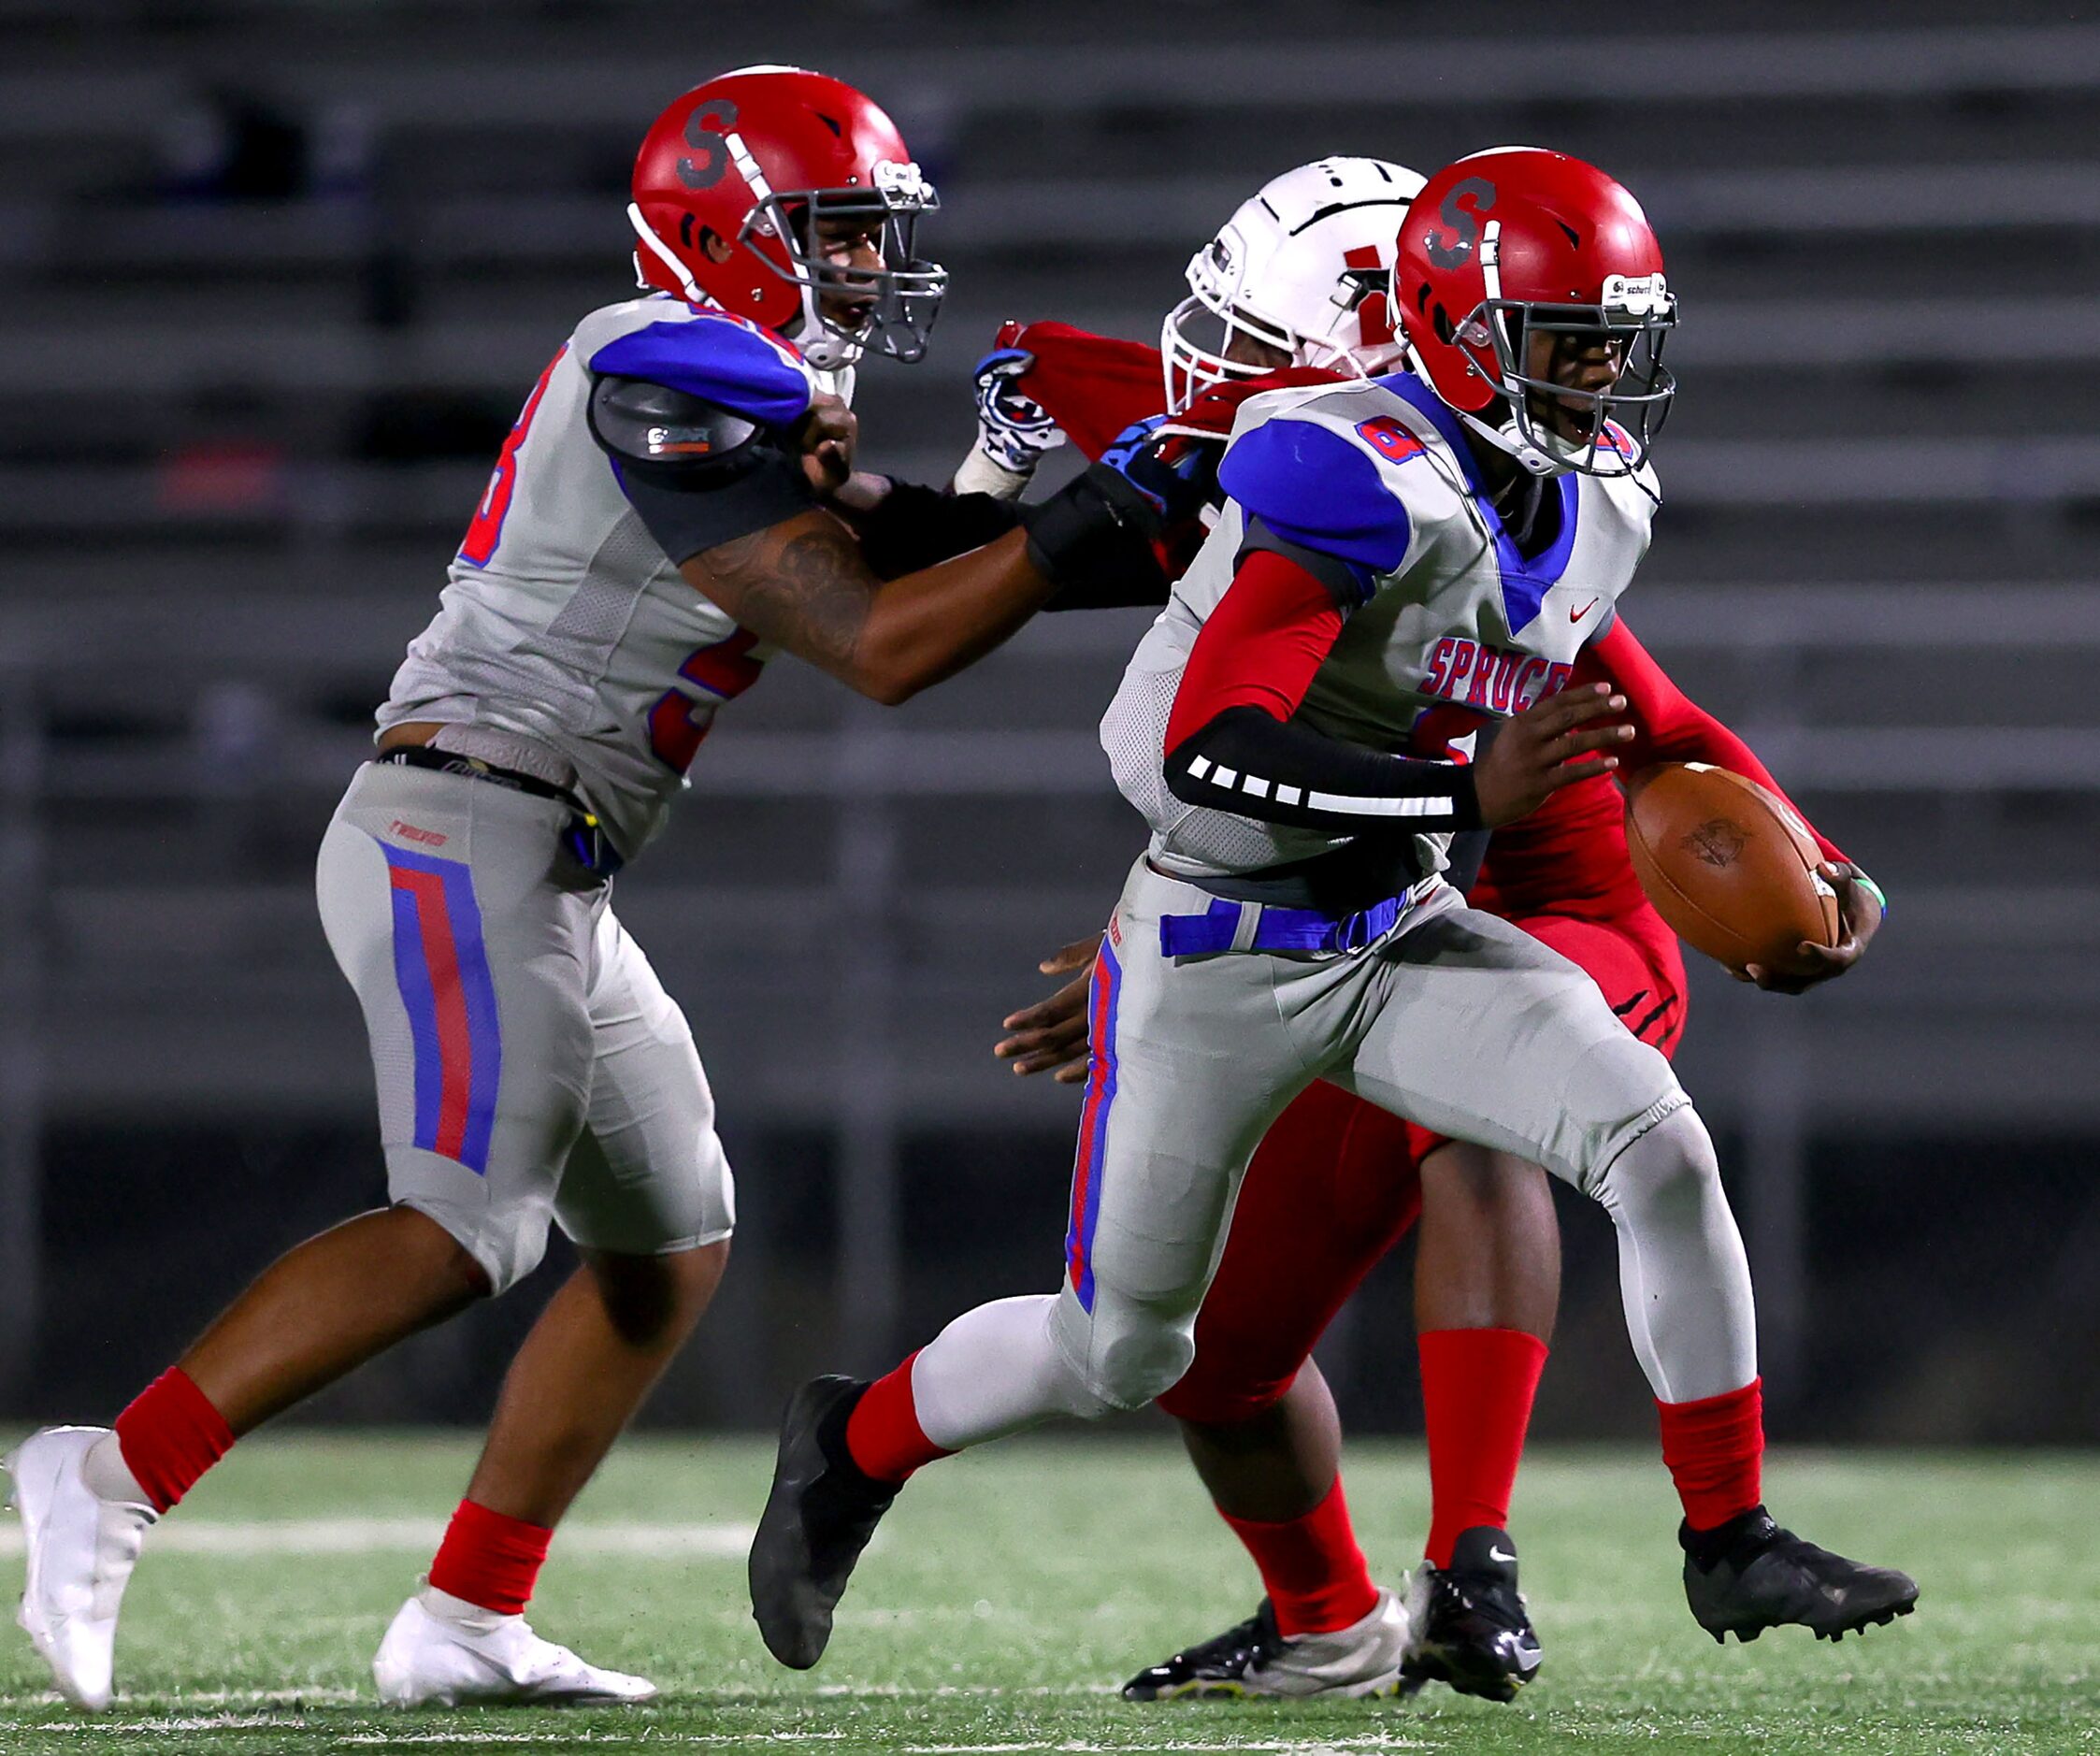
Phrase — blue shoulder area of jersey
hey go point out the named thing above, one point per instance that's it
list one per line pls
(716, 359)
(1312, 487)
(1524, 582)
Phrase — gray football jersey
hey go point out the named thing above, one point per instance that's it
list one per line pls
(563, 620)
(1452, 626)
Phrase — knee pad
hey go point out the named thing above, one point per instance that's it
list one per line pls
(1124, 1353)
(1660, 1155)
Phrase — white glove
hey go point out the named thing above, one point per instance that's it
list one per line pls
(1013, 430)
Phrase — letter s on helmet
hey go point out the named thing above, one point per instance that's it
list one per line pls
(1517, 241)
(756, 158)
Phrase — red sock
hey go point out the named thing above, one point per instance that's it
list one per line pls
(1715, 1448)
(1477, 1387)
(1311, 1566)
(170, 1436)
(883, 1433)
(489, 1559)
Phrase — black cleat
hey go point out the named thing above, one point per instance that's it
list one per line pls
(1254, 1659)
(817, 1520)
(1751, 1574)
(1471, 1629)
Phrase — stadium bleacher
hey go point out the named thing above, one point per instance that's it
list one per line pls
(247, 416)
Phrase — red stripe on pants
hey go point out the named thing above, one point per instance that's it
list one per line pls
(456, 1043)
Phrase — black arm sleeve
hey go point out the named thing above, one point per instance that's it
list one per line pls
(699, 474)
(913, 526)
(1281, 771)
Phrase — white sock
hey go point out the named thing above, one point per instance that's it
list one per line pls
(457, 1612)
(1683, 1277)
(994, 1371)
(109, 1477)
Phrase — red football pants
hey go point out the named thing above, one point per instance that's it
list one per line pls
(1334, 1185)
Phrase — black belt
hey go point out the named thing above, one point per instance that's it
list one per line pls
(583, 836)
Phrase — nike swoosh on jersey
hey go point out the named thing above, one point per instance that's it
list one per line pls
(1576, 615)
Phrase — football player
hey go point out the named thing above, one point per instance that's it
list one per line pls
(1448, 537)
(651, 536)
(1337, 1181)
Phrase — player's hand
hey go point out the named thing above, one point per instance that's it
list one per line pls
(1176, 473)
(1860, 916)
(1014, 429)
(1052, 1033)
(829, 432)
(1553, 744)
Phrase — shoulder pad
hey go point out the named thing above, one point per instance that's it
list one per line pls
(673, 438)
(1308, 484)
(730, 364)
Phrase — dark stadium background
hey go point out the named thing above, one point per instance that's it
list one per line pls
(275, 278)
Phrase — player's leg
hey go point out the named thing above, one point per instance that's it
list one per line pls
(469, 971)
(1714, 1447)
(1192, 1060)
(1531, 1061)
(648, 1197)
(1487, 1289)
(1330, 1190)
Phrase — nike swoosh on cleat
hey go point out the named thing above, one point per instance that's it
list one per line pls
(1496, 1554)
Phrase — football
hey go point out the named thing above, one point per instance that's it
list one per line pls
(1730, 866)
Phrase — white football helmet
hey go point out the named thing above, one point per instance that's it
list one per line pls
(1303, 267)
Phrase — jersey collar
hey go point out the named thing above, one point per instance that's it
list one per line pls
(1524, 582)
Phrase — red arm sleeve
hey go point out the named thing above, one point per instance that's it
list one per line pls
(1260, 647)
(1670, 726)
(1234, 742)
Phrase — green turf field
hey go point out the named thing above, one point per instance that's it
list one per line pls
(1010, 1591)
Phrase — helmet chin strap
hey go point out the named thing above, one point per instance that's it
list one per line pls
(1505, 439)
(1511, 439)
(1512, 443)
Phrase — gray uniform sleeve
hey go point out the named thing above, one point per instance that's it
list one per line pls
(699, 475)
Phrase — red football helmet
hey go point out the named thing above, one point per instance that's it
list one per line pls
(1518, 241)
(753, 161)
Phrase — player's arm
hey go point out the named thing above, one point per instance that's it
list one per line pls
(1234, 745)
(805, 586)
(1321, 526)
(1670, 727)
(727, 496)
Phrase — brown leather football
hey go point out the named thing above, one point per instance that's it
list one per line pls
(1731, 868)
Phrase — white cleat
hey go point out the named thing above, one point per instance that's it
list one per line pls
(1254, 1659)
(81, 1550)
(464, 1655)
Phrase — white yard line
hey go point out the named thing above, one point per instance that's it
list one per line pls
(656, 1738)
(1307, 1746)
(359, 1537)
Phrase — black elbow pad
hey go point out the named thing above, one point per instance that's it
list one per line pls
(699, 474)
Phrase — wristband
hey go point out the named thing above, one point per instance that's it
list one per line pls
(1872, 890)
(982, 473)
